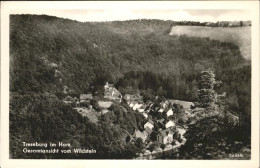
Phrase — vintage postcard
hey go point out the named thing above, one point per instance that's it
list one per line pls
(99, 83)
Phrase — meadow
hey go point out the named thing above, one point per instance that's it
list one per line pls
(241, 36)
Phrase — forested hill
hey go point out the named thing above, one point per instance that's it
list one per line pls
(48, 53)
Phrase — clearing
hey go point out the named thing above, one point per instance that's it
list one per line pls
(241, 36)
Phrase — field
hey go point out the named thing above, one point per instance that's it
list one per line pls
(240, 36)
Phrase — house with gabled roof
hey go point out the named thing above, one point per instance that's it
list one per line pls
(169, 124)
(112, 93)
(145, 115)
(169, 112)
(149, 124)
(165, 136)
(164, 104)
(137, 106)
(160, 110)
(148, 111)
(148, 130)
(140, 110)
(138, 134)
(132, 104)
(180, 130)
(107, 85)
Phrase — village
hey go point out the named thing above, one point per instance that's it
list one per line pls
(166, 117)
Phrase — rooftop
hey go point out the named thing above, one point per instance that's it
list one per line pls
(86, 96)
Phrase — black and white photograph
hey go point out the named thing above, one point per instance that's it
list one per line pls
(130, 84)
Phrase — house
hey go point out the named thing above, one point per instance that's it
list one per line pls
(148, 130)
(141, 110)
(164, 104)
(148, 110)
(132, 104)
(137, 106)
(169, 112)
(127, 97)
(133, 97)
(85, 97)
(150, 104)
(143, 135)
(111, 92)
(169, 124)
(180, 130)
(77, 103)
(149, 124)
(145, 115)
(107, 86)
(161, 110)
(165, 136)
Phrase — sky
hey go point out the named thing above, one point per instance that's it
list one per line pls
(202, 15)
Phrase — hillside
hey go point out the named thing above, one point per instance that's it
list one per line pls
(241, 36)
(48, 54)
(136, 54)
(79, 50)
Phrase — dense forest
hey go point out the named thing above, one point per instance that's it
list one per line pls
(48, 53)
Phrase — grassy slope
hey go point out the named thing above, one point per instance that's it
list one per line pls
(240, 36)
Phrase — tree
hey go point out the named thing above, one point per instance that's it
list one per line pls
(211, 135)
(95, 104)
(128, 138)
(139, 144)
(206, 93)
(173, 143)
(152, 147)
(153, 136)
(163, 146)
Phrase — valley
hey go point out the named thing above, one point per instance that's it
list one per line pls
(127, 89)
